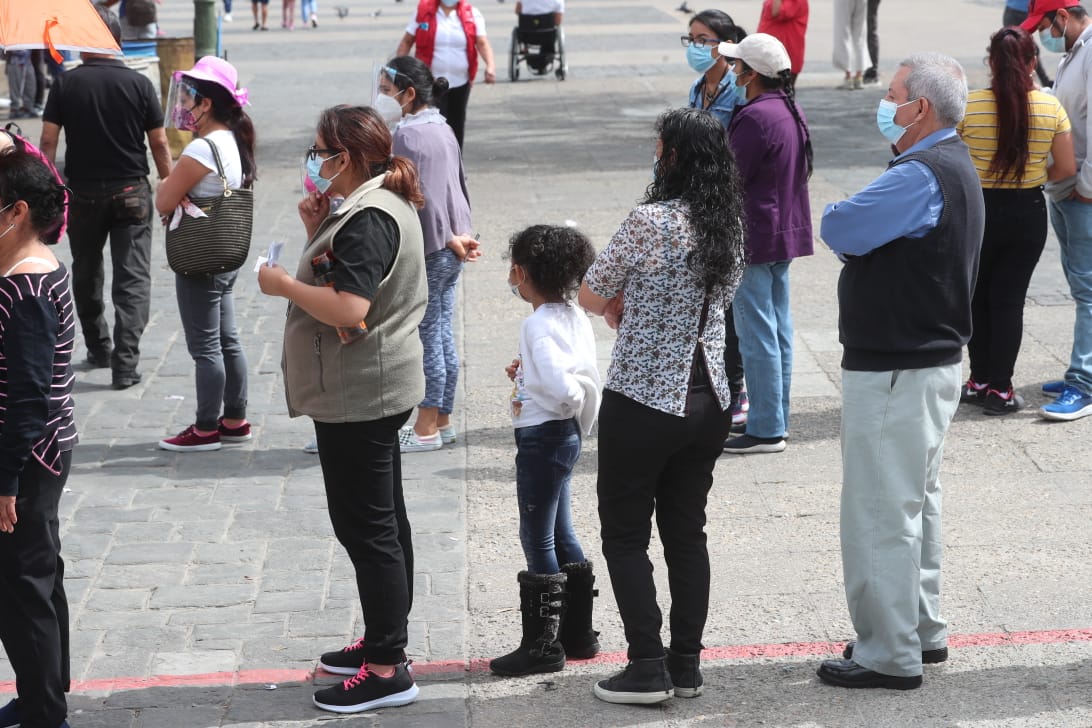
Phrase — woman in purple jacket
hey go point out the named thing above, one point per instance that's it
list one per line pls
(424, 138)
(772, 146)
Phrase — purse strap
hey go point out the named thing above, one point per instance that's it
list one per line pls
(219, 166)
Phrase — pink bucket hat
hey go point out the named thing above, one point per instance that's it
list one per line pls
(220, 72)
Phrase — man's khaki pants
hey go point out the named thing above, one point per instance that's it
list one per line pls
(893, 427)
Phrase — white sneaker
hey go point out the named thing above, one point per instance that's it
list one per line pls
(410, 441)
(447, 434)
(227, 17)
(311, 447)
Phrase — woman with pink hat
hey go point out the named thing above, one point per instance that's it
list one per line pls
(207, 102)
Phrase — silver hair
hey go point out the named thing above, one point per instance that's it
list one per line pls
(940, 79)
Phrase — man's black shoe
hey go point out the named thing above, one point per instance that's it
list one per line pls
(126, 380)
(848, 674)
(928, 657)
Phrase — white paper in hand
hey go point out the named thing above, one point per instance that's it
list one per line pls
(274, 253)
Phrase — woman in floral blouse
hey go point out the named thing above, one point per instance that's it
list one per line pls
(675, 263)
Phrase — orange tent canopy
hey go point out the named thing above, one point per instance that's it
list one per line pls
(69, 25)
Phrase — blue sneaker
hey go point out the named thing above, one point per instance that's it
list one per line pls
(1054, 388)
(1072, 404)
(9, 715)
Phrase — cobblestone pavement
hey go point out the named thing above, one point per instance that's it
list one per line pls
(198, 582)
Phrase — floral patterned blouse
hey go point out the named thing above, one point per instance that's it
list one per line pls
(658, 333)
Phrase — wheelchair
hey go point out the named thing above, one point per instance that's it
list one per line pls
(538, 43)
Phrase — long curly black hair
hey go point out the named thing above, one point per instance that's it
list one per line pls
(555, 258)
(696, 166)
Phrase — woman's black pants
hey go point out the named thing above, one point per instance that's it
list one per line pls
(1016, 230)
(653, 462)
(362, 470)
(33, 605)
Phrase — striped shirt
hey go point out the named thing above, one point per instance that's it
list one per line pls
(979, 131)
(37, 333)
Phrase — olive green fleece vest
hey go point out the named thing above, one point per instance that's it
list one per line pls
(380, 374)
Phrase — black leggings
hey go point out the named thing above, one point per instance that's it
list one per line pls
(362, 471)
(733, 362)
(1016, 230)
(453, 107)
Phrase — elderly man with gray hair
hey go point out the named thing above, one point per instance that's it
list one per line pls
(910, 242)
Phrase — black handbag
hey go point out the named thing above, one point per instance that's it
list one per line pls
(219, 242)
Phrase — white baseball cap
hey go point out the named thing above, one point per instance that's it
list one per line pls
(760, 51)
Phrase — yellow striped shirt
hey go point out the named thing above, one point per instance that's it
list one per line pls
(979, 132)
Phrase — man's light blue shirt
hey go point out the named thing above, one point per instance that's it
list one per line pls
(904, 201)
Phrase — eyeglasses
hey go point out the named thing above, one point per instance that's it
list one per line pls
(313, 152)
(701, 40)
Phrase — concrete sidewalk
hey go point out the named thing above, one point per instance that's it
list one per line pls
(197, 581)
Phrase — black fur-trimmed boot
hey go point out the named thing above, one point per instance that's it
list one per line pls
(541, 601)
(580, 641)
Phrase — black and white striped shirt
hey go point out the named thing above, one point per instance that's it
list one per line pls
(37, 333)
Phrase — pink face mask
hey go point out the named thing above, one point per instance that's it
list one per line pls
(183, 119)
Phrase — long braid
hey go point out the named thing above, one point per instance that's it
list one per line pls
(790, 101)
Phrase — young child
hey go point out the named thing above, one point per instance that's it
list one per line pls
(555, 403)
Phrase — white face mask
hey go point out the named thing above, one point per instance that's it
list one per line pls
(388, 108)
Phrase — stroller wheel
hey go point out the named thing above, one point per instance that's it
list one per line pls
(560, 73)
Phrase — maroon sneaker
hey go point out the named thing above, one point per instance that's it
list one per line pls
(233, 434)
(189, 441)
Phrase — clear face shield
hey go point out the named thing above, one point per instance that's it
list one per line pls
(182, 97)
(386, 97)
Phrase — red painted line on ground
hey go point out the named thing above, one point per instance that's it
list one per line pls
(449, 667)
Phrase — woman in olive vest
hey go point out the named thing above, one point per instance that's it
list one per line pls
(352, 363)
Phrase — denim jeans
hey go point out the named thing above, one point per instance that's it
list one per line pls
(654, 462)
(121, 210)
(764, 326)
(1072, 221)
(545, 456)
(362, 473)
(441, 359)
(207, 307)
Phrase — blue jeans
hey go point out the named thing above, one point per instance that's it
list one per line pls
(764, 326)
(1072, 221)
(307, 9)
(441, 360)
(545, 456)
(207, 307)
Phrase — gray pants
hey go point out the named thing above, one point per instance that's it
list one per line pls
(207, 307)
(21, 85)
(893, 428)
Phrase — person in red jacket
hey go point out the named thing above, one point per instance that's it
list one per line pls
(787, 20)
(450, 36)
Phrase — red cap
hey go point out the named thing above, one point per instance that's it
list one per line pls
(1038, 8)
